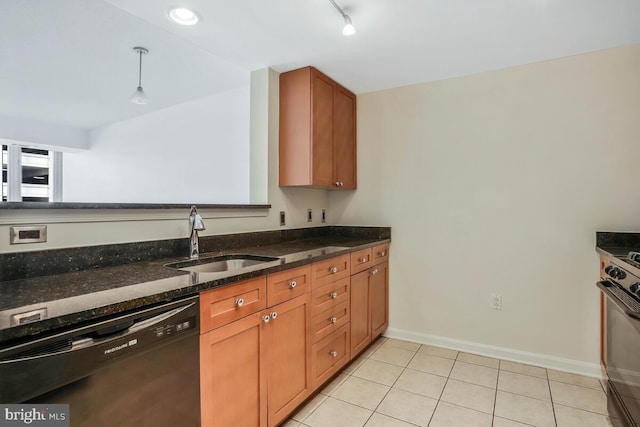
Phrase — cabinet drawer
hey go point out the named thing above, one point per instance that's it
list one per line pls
(224, 305)
(380, 253)
(330, 295)
(288, 284)
(361, 260)
(328, 321)
(330, 270)
(329, 355)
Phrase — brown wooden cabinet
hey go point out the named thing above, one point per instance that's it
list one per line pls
(265, 353)
(360, 313)
(369, 299)
(268, 343)
(379, 289)
(288, 352)
(233, 382)
(604, 261)
(317, 131)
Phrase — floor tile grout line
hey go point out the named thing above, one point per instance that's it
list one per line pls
(443, 388)
(495, 396)
(582, 409)
(576, 385)
(500, 369)
(553, 406)
(394, 383)
(364, 379)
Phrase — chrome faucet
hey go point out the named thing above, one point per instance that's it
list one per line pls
(195, 225)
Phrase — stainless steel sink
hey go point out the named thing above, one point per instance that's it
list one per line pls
(220, 263)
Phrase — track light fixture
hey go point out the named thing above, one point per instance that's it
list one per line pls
(348, 29)
(139, 97)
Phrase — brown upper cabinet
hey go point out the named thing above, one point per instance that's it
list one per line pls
(317, 131)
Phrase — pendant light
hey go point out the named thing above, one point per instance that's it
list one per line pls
(348, 29)
(139, 97)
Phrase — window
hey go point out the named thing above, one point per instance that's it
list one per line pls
(27, 174)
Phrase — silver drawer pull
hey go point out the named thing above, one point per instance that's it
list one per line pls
(266, 318)
(333, 295)
(382, 253)
(292, 284)
(363, 259)
(334, 270)
(333, 353)
(239, 302)
(333, 320)
(274, 315)
(337, 183)
(374, 271)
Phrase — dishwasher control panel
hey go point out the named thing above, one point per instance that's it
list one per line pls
(174, 328)
(158, 334)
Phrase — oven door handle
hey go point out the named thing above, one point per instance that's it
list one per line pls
(605, 286)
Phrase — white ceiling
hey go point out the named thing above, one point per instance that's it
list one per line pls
(70, 61)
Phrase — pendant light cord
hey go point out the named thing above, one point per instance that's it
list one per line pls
(338, 8)
(140, 70)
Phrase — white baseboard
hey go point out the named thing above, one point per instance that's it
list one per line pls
(536, 359)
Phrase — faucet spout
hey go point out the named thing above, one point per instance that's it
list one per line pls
(195, 224)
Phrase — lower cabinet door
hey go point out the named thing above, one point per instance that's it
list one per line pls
(288, 352)
(360, 314)
(379, 289)
(329, 355)
(233, 381)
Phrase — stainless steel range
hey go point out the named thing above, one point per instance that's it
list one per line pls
(622, 329)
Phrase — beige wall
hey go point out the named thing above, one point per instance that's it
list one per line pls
(493, 183)
(88, 227)
(497, 183)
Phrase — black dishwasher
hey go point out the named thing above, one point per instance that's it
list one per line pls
(139, 369)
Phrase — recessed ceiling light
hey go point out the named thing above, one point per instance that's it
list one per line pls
(183, 16)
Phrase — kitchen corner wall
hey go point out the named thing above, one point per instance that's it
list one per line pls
(497, 183)
(72, 228)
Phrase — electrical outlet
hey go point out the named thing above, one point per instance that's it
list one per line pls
(324, 215)
(309, 215)
(282, 222)
(496, 301)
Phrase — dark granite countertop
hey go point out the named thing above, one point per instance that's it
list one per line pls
(76, 297)
(617, 244)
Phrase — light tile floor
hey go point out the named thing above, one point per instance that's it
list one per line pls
(399, 383)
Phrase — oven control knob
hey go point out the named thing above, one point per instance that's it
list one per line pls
(635, 287)
(615, 272)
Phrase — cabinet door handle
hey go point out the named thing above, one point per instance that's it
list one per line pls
(374, 271)
(333, 295)
(292, 284)
(333, 320)
(363, 259)
(334, 270)
(274, 314)
(333, 353)
(239, 302)
(266, 318)
(382, 253)
(337, 183)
